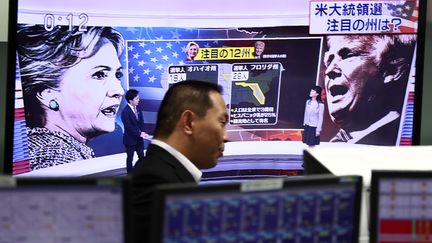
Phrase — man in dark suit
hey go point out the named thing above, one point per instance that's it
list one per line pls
(133, 123)
(190, 135)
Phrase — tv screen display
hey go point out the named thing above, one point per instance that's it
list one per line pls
(73, 66)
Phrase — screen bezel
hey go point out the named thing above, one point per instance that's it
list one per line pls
(420, 56)
(162, 191)
(377, 176)
(10, 88)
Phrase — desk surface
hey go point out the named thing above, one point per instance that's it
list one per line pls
(362, 160)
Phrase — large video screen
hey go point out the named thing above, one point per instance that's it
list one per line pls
(73, 67)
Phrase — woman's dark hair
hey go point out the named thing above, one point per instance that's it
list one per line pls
(187, 95)
(318, 89)
(44, 56)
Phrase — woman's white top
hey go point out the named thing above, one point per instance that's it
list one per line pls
(313, 115)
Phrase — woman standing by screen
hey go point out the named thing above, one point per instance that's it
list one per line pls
(71, 88)
(313, 117)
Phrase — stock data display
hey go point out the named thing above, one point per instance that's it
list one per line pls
(299, 215)
(60, 215)
(404, 210)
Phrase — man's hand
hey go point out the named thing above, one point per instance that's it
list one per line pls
(144, 135)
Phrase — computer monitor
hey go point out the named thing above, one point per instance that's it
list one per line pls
(401, 206)
(303, 209)
(85, 210)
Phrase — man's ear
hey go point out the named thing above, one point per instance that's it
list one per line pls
(46, 96)
(395, 70)
(187, 119)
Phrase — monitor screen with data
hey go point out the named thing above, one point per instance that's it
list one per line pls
(314, 209)
(65, 210)
(401, 206)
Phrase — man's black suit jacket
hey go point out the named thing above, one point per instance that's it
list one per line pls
(132, 126)
(158, 167)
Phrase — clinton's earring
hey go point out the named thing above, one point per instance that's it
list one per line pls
(53, 105)
(389, 78)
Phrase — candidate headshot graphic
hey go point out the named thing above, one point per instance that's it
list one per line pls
(259, 49)
(71, 88)
(366, 82)
(191, 51)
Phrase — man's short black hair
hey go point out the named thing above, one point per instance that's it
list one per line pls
(131, 94)
(187, 95)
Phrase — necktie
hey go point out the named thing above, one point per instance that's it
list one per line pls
(135, 112)
(341, 136)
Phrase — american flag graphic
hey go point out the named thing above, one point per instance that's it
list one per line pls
(148, 61)
(21, 154)
(404, 16)
(150, 51)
